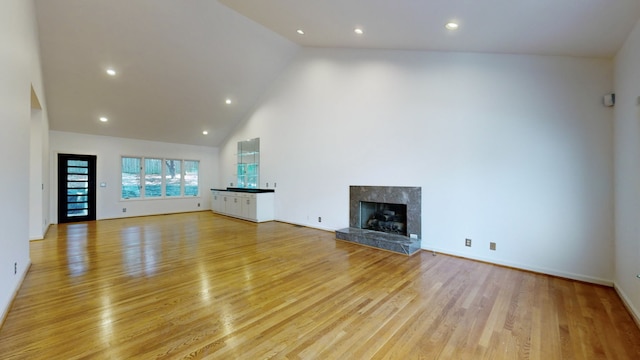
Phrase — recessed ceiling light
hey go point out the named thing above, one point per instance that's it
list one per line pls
(103, 119)
(300, 32)
(358, 31)
(205, 132)
(111, 72)
(228, 101)
(451, 26)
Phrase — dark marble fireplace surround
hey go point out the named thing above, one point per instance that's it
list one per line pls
(409, 196)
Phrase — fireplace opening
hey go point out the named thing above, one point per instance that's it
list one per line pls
(384, 217)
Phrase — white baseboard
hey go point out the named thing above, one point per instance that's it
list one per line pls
(562, 274)
(306, 225)
(5, 312)
(635, 314)
(41, 237)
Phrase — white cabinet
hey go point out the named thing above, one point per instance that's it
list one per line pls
(232, 204)
(217, 201)
(248, 206)
(264, 207)
(256, 207)
(252, 207)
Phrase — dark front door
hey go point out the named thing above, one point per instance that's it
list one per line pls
(76, 188)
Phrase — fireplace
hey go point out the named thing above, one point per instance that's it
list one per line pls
(386, 217)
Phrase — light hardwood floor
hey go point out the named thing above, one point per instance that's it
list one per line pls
(199, 285)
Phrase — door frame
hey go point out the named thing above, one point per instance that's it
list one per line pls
(61, 187)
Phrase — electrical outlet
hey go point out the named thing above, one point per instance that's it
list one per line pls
(319, 219)
(230, 184)
(467, 242)
(124, 209)
(492, 246)
(198, 204)
(15, 268)
(267, 185)
(275, 185)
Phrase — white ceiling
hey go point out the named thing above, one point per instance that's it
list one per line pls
(591, 28)
(178, 61)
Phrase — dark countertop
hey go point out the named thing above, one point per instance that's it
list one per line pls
(245, 190)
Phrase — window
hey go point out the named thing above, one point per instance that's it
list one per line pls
(248, 166)
(191, 178)
(173, 178)
(152, 178)
(161, 177)
(131, 168)
(248, 176)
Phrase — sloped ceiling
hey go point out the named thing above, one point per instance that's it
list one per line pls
(589, 28)
(178, 61)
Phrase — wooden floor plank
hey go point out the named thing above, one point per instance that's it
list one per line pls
(199, 285)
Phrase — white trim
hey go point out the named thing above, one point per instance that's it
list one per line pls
(540, 270)
(333, 230)
(635, 314)
(44, 234)
(5, 312)
(163, 185)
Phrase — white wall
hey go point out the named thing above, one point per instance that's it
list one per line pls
(19, 70)
(627, 171)
(38, 174)
(109, 151)
(510, 149)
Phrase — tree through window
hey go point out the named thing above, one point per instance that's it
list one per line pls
(160, 177)
(173, 177)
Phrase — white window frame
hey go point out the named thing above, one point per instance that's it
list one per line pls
(142, 176)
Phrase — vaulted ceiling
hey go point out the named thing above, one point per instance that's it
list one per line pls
(178, 62)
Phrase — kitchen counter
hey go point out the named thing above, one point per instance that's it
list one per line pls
(246, 190)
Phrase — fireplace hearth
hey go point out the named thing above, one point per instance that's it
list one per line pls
(385, 217)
